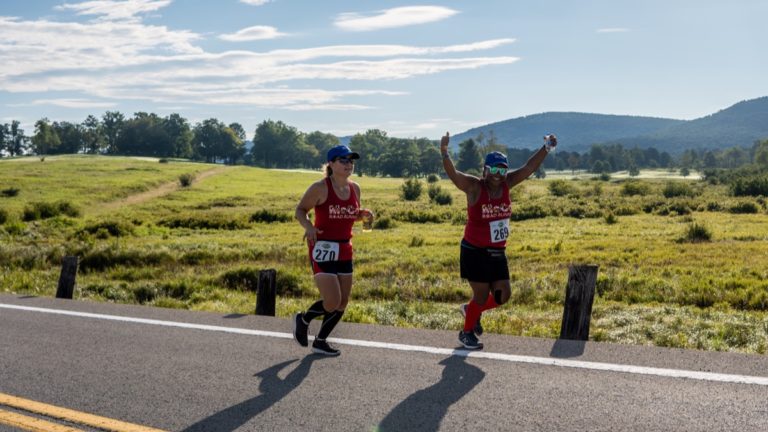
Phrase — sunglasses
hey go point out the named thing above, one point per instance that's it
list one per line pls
(345, 161)
(497, 170)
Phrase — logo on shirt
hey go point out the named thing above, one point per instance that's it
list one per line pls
(337, 211)
(491, 211)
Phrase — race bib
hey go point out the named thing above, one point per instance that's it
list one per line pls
(325, 251)
(499, 230)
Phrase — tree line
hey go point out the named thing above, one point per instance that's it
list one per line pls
(278, 145)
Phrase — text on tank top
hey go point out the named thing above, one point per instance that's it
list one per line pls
(488, 219)
(335, 218)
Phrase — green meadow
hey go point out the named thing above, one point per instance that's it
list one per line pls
(681, 263)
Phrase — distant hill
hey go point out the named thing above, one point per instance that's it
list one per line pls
(578, 130)
(738, 125)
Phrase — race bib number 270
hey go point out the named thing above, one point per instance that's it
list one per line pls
(499, 230)
(325, 251)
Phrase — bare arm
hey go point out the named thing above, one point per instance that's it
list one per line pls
(312, 197)
(462, 181)
(522, 173)
(364, 212)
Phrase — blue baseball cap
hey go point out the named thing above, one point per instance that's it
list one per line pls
(496, 158)
(341, 151)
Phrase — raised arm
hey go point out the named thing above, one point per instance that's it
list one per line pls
(522, 173)
(462, 181)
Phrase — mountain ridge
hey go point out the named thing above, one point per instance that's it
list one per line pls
(740, 124)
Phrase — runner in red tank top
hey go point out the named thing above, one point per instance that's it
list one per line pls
(336, 202)
(483, 259)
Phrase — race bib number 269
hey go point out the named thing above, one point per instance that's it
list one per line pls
(325, 251)
(499, 230)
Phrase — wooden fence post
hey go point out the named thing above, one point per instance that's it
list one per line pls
(266, 291)
(578, 302)
(67, 277)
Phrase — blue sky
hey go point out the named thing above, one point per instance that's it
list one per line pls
(413, 69)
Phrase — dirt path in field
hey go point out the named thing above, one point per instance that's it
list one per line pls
(157, 192)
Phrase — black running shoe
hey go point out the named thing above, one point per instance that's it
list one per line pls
(300, 329)
(322, 347)
(469, 340)
(478, 329)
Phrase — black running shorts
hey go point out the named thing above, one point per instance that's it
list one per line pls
(332, 267)
(483, 264)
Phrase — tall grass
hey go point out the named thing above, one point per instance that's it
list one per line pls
(201, 248)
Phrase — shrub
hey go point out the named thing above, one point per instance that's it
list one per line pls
(676, 189)
(417, 241)
(163, 161)
(384, 223)
(114, 228)
(109, 257)
(204, 221)
(185, 180)
(632, 188)
(414, 216)
(3, 216)
(245, 278)
(529, 211)
(269, 216)
(561, 188)
(696, 233)
(604, 177)
(611, 219)
(439, 196)
(411, 189)
(714, 206)
(433, 178)
(746, 207)
(45, 210)
(673, 208)
(10, 192)
(750, 186)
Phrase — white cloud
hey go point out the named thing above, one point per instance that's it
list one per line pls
(113, 10)
(613, 30)
(112, 60)
(255, 2)
(252, 33)
(396, 17)
(74, 103)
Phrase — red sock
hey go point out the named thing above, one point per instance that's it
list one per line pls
(489, 304)
(473, 314)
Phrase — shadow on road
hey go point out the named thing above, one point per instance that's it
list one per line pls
(272, 389)
(424, 410)
(563, 348)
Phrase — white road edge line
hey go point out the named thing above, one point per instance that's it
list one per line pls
(546, 361)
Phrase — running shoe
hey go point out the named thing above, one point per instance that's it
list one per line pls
(469, 340)
(322, 347)
(300, 329)
(478, 329)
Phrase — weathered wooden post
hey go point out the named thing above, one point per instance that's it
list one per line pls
(266, 291)
(578, 302)
(67, 277)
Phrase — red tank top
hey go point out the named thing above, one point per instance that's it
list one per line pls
(488, 220)
(335, 218)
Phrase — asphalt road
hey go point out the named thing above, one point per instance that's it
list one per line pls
(208, 377)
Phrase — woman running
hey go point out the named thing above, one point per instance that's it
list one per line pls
(483, 260)
(336, 201)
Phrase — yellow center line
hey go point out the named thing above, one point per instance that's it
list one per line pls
(32, 424)
(72, 415)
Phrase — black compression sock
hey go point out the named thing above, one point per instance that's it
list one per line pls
(329, 322)
(314, 311)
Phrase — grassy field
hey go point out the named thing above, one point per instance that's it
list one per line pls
(142, 238)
